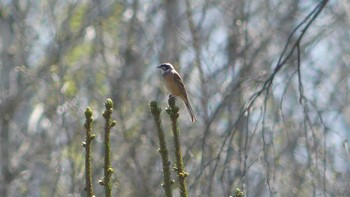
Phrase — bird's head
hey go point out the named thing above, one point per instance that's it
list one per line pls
(166, 67)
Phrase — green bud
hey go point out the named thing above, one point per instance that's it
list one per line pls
(181, 174)
(88, 113)
(238, 193)
(113, 123)
(93, 136)
(186, 174)
(109, 103)
(110, 170)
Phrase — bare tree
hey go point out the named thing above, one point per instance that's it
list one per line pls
(268, 81)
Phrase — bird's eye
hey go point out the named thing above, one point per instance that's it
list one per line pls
(165, 67)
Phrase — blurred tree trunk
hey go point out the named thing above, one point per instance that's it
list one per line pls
(7, 106)
(126, 90)
(240, 70)
(170, 51)
(132, 69)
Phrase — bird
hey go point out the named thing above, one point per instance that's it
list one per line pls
(175, 86)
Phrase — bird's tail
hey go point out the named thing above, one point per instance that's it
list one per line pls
(190, 111)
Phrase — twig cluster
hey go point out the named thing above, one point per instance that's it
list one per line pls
(163, 149)
(173, 112)
(108, 169)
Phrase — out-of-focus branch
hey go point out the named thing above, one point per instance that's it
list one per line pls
(198, 60)
(284, 57)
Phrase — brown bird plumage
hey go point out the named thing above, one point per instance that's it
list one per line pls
(175, 86)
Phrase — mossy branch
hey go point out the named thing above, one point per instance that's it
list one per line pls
(173, 112)
(155, 110)
(108, 169)
(87, 145)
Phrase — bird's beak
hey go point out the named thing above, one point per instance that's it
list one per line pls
(159, 66)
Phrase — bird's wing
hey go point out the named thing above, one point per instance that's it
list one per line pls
(179, 82)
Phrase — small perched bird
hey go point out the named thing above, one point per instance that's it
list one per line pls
(176, 87)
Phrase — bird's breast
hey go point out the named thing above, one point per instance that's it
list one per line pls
(171, 85)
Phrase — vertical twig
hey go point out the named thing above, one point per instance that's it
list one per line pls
(196, 44)
(163, 149)
(173, 112)
(87, 145)
(108, 170)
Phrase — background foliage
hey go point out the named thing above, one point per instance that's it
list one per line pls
(57, 57)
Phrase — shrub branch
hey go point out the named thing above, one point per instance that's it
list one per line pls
(173, 112)
(155, 110)
(108, 169)
(87, 145)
